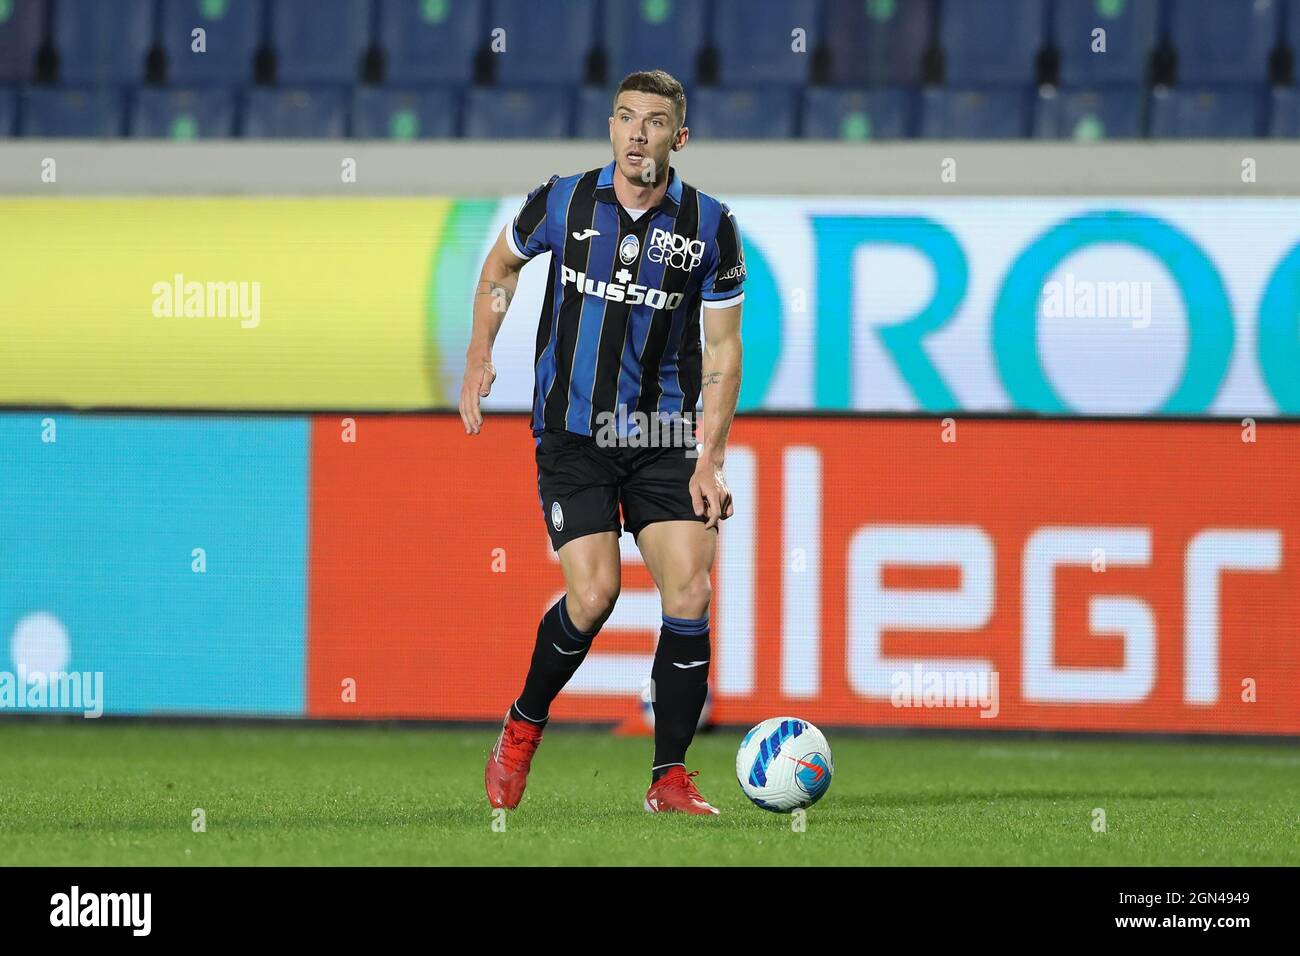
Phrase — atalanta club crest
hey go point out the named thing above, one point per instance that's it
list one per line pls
(557, 516)
(629, 249)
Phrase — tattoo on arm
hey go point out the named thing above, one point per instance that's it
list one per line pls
(500, 293)
(711, 378)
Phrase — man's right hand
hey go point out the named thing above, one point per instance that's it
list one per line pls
(479, 376)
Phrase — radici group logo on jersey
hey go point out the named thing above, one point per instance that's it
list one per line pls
(676, 251)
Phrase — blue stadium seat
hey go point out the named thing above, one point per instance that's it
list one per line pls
(545, 43)
(653, 34)
(431, 41)
(754, 40)
(1292, 37)
(8, 112)
(182, 114)
(974, 114)
(857, 114)
(878, 42)
(1284, 117)
(22, 28)
(764, 113)
(1131, 36)
(403, 114)
(233, 33)
(1229, 112)
(1087, 115)
(81, 114)
(100, 42)
(295, 114)
(595, 105)
(319, 41)
(518, 114)
(990, 43)
(1223, 41)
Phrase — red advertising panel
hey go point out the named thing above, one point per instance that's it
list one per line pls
(1086, 575)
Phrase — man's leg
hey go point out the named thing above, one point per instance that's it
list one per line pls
(591, 578)
(680, 556)
(578, 495)
(591, 573)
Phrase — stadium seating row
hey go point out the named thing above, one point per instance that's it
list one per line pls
(733, 43)
(772, 113)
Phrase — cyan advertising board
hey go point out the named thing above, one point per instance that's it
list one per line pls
(164, 553)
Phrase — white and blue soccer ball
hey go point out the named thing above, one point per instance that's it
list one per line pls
(784, 764)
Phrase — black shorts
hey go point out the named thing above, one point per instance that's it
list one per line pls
(581, 486)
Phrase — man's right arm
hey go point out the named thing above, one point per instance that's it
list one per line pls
(496, 287)
(521, 239)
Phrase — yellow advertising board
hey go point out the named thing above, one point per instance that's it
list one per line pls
(294, 303)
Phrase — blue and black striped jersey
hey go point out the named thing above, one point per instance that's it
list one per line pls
(620, 324)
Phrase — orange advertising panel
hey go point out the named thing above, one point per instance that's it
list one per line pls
(985, 574)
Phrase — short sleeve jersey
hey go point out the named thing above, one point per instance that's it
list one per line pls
(620, 323)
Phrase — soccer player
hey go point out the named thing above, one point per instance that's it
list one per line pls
(635, 254)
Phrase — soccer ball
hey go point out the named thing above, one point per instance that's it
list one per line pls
(784, 764)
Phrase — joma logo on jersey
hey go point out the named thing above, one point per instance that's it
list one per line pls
(632, 294)
(674, 250)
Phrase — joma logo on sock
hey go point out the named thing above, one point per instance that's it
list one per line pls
(102, 909)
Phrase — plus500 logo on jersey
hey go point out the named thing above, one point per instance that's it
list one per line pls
(674, 250)
(632, 293)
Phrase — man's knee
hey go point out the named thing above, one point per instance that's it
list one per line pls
(592, 601)
(689, 598)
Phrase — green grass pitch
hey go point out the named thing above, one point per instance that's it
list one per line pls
(124, 794)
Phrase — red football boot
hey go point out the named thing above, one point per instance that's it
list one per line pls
(506, 773)
(675, 792)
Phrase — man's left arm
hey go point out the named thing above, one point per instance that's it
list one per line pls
(720, 388)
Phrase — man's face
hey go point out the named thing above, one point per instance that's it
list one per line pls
(643, 130)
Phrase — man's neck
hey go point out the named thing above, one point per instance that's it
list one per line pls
(634, 194)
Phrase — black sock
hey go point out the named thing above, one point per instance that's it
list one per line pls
(657, 772)
(560, 648)
(680, 678)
